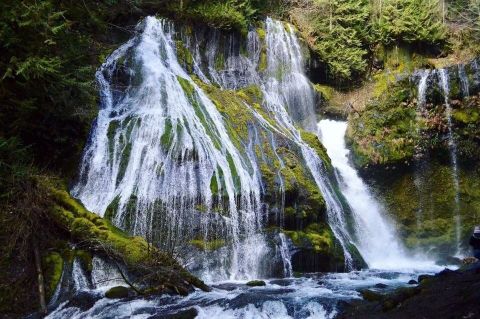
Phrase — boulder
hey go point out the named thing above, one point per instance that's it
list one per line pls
(413, 282)
(381, 286)
(117, 292)
(370, 295)
(423, 277)
(256, 283)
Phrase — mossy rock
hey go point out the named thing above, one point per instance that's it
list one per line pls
(208, 245)
(256, 283)
(370, 295)
(117, 292)
(52, 265)
(100, 236)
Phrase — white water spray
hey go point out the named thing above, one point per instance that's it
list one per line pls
(376, 237)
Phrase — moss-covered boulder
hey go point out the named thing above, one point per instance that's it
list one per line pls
(153, 271)
(117, 292)
(256, 283)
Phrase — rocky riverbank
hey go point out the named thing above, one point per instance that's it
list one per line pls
(448, 294)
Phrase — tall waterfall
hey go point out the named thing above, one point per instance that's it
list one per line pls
(453, 153)
(161, 164)
(376, 238)
(156, 150)
(293, 89)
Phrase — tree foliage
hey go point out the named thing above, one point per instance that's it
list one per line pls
(342, 35)
(411, 21)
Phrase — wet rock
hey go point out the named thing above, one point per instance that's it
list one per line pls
(413, 282)
(282, 282)
(184, 314)
(370, 295)
(381, 286)
(256, 283)
(227, 286)
(423, 277)
(117, 292)
(449, 261)
(447, 272)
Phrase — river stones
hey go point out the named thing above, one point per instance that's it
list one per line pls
(381, 286)
(117, 292)
(370, 295)
(256, 283)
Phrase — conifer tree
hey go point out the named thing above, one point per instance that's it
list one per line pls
(343, 37)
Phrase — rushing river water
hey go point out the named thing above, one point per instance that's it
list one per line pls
(314, 296)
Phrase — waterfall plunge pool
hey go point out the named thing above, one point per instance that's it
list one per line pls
(312, 296)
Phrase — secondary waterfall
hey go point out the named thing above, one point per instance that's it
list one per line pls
(161, 164)
(453, 154)
(376, 237)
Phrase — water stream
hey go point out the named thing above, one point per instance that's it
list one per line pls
(376, 238)
(444, 79)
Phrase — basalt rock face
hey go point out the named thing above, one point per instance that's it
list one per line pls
(449, 294)
(204, 141)
(412, 119)
(418, 147)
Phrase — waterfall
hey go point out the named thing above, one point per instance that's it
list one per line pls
(463, 80)
(285, 254)
(422, 113)
(157, 149)
(444, 79)
(422, 89)
(160, 163)
(376, 238)
(286, 84)
(80, 280)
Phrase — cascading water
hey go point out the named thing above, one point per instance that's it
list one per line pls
(286, 84)
(160, 164)
(157, 149)
(159, 144)
(444, 79)
(422, 113)
(463, 80)
(376, 238)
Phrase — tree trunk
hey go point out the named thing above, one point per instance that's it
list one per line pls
(41, 281)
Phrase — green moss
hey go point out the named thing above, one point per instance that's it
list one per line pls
(206, 121)
(466, 116)
(312, 140)
(53, 268)
(325, 91)
(256, 283)
(386, 132)
(85, 258)
(184, 56)
(125, 158)
(318, 237)
(219, 61)
(231, 105)
(112, 208)
(208, 245)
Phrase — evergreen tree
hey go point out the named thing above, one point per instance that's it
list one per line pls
(343, 35)
(411, 21)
